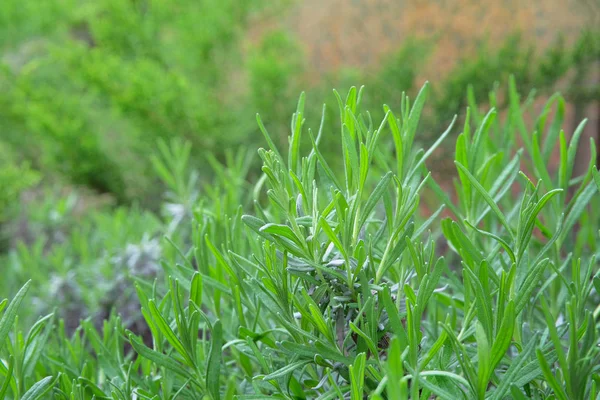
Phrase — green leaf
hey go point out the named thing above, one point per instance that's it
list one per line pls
(283, 231)
(433, 350)
(286, 370)
(461, 156)
(554, 335)
(596, 282)
(299, 350)
(395, 371)
(222, 263)
(97, 392)
(328, 171)
(37, 344)
(411, 297)
(488, 199)
(8, 318)
(430, 151)
(368, 340)
(166, 330)
(440, 391)
(394, 318)
(8, 377)
(332, 236)
(484, 305)
(320, 323)
(351, 162)
(331, 353)
(297, 122)
(357, 377)
(577, 209)
(39, 389)
(558, 389)
(498, 239)
(267, 137)
(364, 166)
(515, 370)
(573, 147)
(428, 285)
(555, 128)
(443, 196)
(479, 138)
(517, 394)
(506, 178)
(159, 359)
(415, 115)
(213, 369)
(484, 368)
(375, 196)
(398, 143)
(596, 175)
(425, 225)
(504, 336)
(525, 233)
(196, 289)
(539, 163)
(516, 115)
(528, 286)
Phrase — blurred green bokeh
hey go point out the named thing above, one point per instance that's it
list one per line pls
(88, 87)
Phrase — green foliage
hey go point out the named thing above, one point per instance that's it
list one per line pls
(14, 178)
(274, 66)
(321, 282)
(87, 88)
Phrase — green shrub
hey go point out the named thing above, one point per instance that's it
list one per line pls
(274, 67)
(87, 88)
(321, 283)
(14, 178)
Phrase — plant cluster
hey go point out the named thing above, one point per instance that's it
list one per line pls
(312, 281)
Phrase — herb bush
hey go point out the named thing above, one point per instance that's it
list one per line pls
(311, 282)
(87, 87)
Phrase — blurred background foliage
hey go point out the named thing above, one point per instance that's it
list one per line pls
(88, 88)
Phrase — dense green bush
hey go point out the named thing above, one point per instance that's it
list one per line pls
(318, 282)
(87, 87)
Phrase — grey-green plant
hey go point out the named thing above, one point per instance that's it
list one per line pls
(313, 282)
